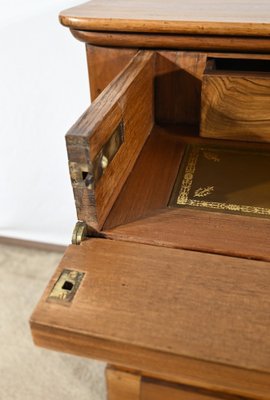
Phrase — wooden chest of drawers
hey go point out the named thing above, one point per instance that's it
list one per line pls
(168, 275)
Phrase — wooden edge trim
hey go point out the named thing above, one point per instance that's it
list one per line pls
(122, 25)
(114, 234)
(184, 42)
(156, 364)
(30, 244)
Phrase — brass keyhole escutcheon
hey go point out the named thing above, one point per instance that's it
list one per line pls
(66, 286)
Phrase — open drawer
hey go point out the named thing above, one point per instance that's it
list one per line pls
(188, 316)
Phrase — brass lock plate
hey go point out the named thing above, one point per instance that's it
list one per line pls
(66, 286)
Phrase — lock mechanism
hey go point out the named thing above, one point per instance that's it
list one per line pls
(66, 286)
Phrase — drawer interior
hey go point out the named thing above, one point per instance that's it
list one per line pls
(144, 122)
(221, 65)
(144, 212)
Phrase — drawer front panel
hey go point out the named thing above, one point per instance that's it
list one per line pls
(104, 143)
(236, 101)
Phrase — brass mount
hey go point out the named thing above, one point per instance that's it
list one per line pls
(80, 232)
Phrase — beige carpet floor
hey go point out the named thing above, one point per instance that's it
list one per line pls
(28, 372)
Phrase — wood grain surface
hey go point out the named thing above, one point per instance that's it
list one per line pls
(131, 385)
(178, 81)
(122, 385)
(164, 86)
(158, 390)
(127, 100)
(236, 105)
(210, 232)
(136, 217)
(147, 303)
(214, 17)
(104, 64)
(172, 41)
(151, 181)
(137, 107)
(196, 318)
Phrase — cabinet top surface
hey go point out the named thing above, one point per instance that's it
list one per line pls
(207, 17)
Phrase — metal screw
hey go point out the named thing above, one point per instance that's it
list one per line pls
(104, 162)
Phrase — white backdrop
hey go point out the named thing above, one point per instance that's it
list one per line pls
(44, 89)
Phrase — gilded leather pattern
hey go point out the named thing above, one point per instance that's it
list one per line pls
(190, 191)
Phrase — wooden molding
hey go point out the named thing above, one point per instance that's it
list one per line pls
(173, 41)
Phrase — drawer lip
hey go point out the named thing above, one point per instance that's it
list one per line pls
(237, 74)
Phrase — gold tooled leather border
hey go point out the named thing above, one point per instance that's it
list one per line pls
(182, 187)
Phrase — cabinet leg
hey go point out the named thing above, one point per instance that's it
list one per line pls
(122, 385)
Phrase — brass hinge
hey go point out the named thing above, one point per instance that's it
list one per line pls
(80, 232)
(83, 232)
